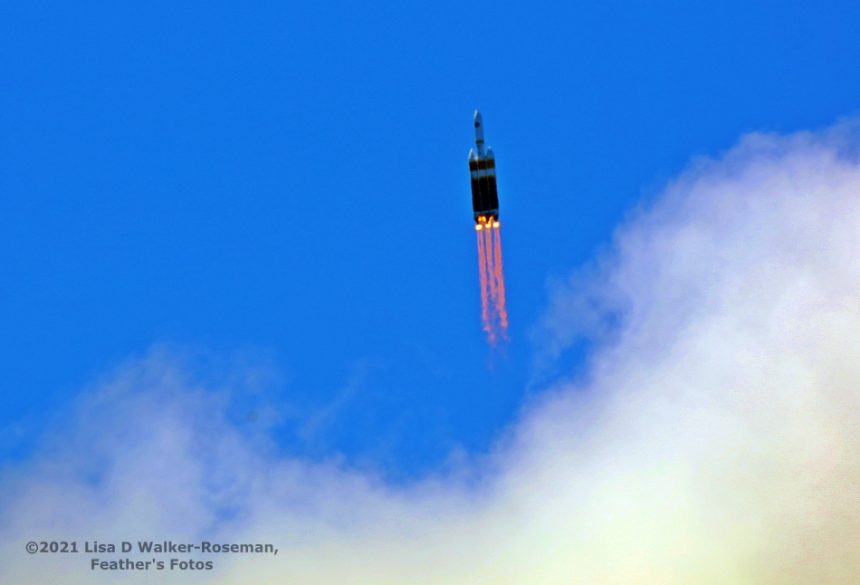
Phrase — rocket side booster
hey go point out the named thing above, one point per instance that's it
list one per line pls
(482, 168)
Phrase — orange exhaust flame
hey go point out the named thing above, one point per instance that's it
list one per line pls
(499, 277)
(494, 313)
(491, 271)
(484, 274)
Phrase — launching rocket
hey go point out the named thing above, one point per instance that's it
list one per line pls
(482, 167)
(485, 205)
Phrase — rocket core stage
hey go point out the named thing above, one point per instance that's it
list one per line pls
(482, 168)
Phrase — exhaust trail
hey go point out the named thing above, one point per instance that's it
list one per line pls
(484, 273)
(494, 313)
(499, 278)
(491, 271)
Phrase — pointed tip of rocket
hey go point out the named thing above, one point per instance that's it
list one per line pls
(472, 155)
(490, 153)
(479, 133)
(477, 118)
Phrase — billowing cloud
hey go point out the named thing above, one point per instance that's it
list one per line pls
(713, 438)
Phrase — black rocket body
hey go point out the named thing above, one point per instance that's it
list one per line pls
(482, 169)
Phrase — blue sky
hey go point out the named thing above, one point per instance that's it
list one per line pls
(289, 182)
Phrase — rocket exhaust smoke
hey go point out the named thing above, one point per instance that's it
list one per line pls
(494, 314)
(713, 437)
(484, 276)
(499, 278)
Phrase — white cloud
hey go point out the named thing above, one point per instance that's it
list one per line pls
(715, 438)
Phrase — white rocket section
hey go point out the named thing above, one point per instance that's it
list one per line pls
(479, 133)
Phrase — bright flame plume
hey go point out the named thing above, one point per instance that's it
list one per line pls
(494, 313)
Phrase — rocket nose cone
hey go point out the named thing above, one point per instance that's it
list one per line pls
(477, 118)
(472, 155)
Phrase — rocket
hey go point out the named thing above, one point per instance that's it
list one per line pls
(482, 168)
